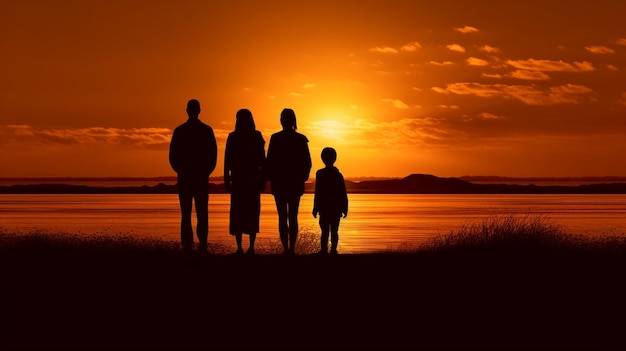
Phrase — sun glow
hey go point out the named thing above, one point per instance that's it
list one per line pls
(331, 129)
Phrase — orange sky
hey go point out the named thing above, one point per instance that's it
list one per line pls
(450, 88)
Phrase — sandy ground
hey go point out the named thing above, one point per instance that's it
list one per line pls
(106, 299)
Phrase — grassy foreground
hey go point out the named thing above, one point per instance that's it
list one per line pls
(508, 283)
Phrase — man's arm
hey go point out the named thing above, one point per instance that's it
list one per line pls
(174, 152)
(212, 152)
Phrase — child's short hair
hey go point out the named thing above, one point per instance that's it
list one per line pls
(329, 155)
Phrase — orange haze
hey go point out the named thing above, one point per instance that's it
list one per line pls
(451, 88)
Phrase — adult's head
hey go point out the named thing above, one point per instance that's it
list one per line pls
(244, 120)
(329, 156)
(288, 119)
(193, 108)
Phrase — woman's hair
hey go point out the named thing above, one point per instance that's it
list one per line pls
(288, 119)
(244, 121)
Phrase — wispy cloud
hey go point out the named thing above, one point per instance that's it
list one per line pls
(408, 47)
(599, 49)
(492, 75)
(384, 50)
(370, 133)
(397, 103)
(621, 41)
(530, 95)
(455, 47)
(443, 63)
(489, 49)
(145, 138)
(528, 75)
(551, 65)
(487, 115)
(308, 85)
(466, 29)
(474, 61)
(411, 47)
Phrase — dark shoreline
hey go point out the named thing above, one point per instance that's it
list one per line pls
(413, 184)
(133, 297)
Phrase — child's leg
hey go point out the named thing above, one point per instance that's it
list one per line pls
(334, 234)
(324, 238)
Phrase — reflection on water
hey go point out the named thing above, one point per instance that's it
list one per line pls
(375, 221)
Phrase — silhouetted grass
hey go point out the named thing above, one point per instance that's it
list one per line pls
(119, 243)
(504, 234)
(508, 282)
(515, 233)
(511, 232)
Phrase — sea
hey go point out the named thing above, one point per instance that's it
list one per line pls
(375, 222)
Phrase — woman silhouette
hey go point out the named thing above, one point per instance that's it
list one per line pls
(243, 162)
(288, 166)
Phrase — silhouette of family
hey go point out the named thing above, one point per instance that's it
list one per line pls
(287, 166)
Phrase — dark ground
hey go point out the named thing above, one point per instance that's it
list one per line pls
(65, 298)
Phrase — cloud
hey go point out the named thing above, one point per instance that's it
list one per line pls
(489, 49)
(308, 85)
(492, 75)
(384, 50)
(455, 47)
(621, 41)
(487, 115)
(599, 49)
(440, 90)
(411, 47)
(408, 47)
(18, 126)
(466, 29)
(370, 133)
(473, 61)
(296, 94)
(142, 138)
(551, 65)
(397, 103)
(444, 63)
(528, 75)
(528, 94)
(612, 68)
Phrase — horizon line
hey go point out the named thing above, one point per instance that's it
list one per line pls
(464, 177)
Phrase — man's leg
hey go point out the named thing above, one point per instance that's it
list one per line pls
(186, 231)
(201, 199)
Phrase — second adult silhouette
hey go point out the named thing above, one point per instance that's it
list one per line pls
(287, 167)
(243, 165)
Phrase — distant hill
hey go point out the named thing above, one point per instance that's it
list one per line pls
(429, 184)
(412, 184)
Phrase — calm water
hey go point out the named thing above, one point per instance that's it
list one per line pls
(375, 222)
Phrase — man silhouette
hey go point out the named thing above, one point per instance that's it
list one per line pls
(193, 156)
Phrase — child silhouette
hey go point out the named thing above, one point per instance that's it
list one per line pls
(330, 200)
